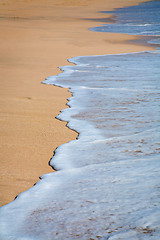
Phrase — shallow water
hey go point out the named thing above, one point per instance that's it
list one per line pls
(143, 19)
(107, 186)
(113, 96)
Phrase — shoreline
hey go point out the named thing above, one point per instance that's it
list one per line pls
(32, 51)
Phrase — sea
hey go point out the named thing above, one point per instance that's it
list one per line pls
(107, 183)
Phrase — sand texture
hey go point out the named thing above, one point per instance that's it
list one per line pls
(37, 36)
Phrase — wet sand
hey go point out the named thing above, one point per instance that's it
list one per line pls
(37, 36)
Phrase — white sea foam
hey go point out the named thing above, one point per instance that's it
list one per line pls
(111, 200)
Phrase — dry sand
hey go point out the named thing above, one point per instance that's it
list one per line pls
(37, 36)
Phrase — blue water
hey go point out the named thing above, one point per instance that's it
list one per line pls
(107, 183)
(143, 19)
(112, 103)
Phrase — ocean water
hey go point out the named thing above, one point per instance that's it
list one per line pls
(108, 181)
(143, 19)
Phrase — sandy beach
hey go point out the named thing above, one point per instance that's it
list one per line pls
(37, 36)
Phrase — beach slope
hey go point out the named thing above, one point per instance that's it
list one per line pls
(37, 36)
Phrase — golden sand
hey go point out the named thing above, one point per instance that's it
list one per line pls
(37, 36)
